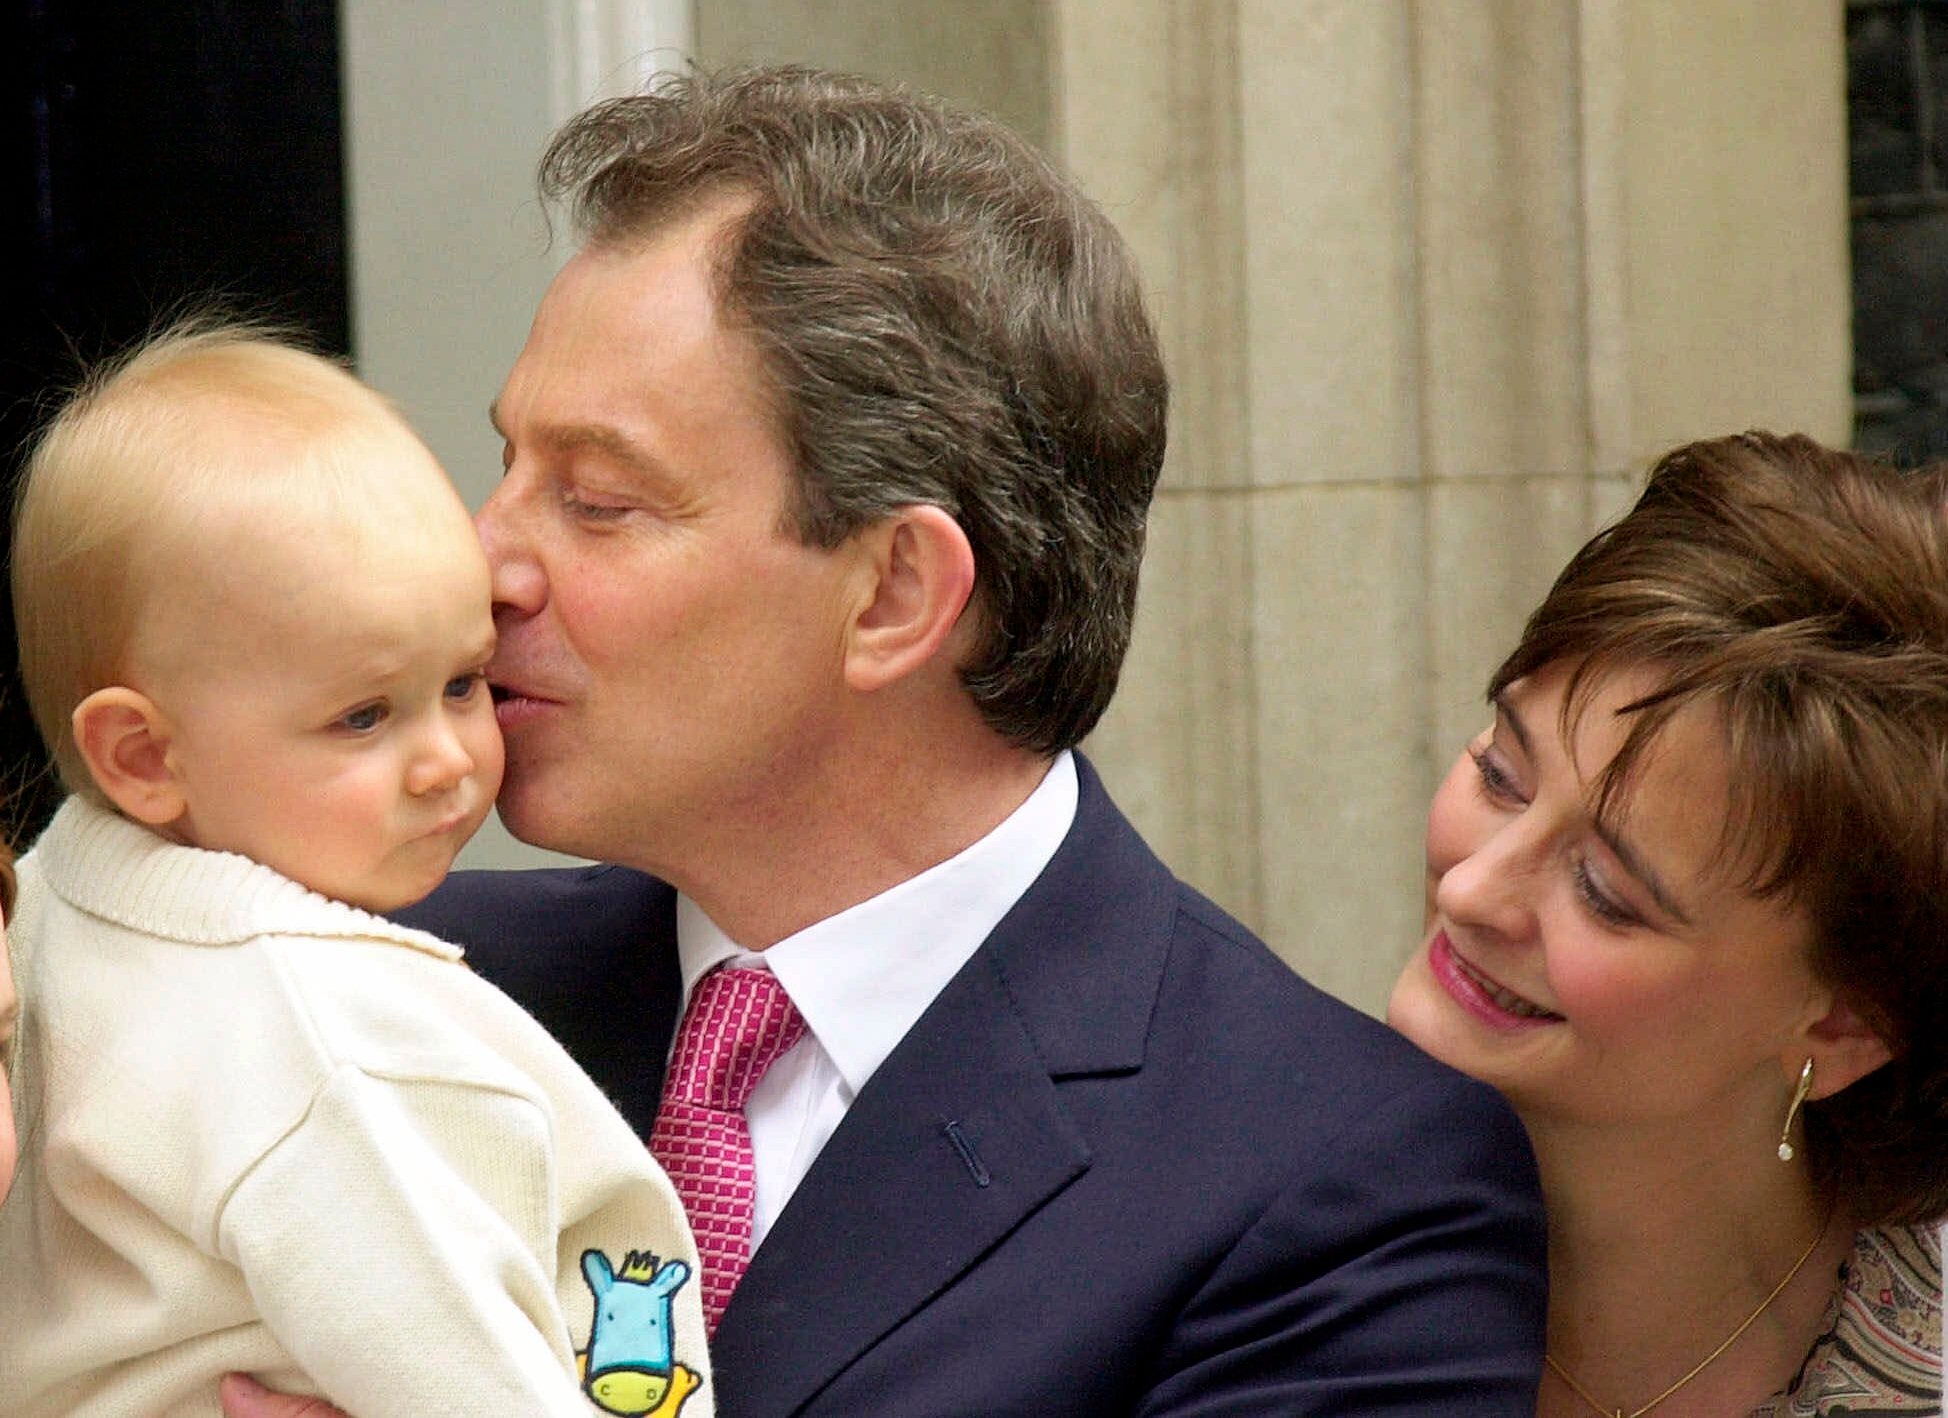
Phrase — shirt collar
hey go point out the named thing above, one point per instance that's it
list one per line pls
(863, 978)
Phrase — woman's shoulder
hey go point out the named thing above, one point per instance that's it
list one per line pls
(1881, 1350)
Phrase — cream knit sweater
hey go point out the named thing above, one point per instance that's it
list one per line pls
(268, 1132)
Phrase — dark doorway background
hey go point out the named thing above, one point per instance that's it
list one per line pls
(1897, 115)
(153, 155)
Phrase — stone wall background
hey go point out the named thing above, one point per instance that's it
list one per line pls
(1436, 278)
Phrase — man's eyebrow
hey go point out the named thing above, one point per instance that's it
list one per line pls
(599, 437)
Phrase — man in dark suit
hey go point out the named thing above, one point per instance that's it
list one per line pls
(828, 461)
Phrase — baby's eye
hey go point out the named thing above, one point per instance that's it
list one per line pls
(461, 687)
(364, 719)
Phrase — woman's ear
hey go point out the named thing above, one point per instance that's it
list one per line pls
(124, 739)
(918, 570)
(1844, 1049)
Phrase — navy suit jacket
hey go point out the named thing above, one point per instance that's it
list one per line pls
(1127, 1163)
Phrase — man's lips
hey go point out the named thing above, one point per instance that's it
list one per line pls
(516, 704)
(1483, 996)
(505, 690)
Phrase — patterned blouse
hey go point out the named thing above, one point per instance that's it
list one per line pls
(1881, 1350)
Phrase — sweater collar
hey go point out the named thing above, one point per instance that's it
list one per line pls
(108, 866)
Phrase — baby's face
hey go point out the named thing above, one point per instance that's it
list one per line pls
(338, 726)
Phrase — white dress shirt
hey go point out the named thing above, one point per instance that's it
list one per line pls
(863, 978)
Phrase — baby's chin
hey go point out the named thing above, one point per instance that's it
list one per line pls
(384, 898)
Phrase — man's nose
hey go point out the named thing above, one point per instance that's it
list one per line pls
(504, 523)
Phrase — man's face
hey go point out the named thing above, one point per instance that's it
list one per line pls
(670, 657)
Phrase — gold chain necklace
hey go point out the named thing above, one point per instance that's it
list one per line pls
(1704, 1363)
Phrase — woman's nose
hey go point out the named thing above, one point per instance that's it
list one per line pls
(1493, 887)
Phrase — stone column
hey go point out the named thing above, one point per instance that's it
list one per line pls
(1435, 279)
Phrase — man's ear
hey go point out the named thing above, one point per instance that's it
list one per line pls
(124, 739)
(918, 571)
(1844, 1049)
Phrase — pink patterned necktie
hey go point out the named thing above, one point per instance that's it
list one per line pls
(739, 1022)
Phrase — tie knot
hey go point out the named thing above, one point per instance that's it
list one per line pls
(738, 1023)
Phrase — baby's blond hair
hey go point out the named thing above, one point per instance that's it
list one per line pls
(161, 460)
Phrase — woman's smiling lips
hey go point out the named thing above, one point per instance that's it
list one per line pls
(1486, 999)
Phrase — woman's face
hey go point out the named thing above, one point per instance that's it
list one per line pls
(9, 1015)
(1604, 972)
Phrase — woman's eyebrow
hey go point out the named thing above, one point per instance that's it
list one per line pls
(1633, 861)
(1516, 726)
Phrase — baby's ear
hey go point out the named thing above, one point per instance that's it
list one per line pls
(124, 739)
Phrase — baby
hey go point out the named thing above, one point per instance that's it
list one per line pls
(265, 1129)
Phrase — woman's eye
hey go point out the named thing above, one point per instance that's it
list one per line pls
(1495, 780)
(363, 719)
(1601, 904)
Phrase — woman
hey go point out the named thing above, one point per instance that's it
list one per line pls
(1688, 910)
(9, 1017)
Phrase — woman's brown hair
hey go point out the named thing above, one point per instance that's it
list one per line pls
(1801, 594)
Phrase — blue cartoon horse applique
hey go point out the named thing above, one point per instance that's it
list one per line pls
(629, 1366)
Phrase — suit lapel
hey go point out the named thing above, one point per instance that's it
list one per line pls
(962, 1134)
(827, 1284)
